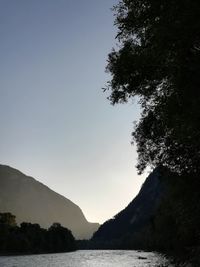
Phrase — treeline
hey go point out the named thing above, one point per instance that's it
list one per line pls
(30, 238)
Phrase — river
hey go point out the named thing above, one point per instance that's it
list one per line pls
(88, 258)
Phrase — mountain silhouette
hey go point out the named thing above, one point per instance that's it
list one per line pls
(136, 216)
(32, 201)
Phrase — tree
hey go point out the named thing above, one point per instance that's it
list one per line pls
(7, 218)
(158, 60)
(31, 238)
(60, 239)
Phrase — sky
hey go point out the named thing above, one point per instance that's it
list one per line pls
(56, 123)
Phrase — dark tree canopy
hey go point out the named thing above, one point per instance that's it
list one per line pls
(31, 238)
(159, 60)
(7, 218)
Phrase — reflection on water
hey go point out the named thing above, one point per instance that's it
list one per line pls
(88, 258)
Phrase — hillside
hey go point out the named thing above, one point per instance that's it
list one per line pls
(164, 217)
(32, 201)
(135, 217)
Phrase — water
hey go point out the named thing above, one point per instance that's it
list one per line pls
(88, 258)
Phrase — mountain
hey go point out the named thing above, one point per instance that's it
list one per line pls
(32, 201)
(129, 224)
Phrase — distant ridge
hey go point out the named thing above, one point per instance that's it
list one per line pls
(32, 201)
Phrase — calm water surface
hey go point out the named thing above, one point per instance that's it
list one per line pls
(88, 258)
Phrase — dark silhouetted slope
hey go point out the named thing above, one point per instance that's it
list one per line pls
(137, 214)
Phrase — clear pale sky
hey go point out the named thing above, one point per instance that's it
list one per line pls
(56, 123)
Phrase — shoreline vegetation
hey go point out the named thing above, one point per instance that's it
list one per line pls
(30, 238)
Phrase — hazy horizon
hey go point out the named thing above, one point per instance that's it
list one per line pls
(57, 125)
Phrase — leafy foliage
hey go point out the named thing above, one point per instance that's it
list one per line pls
(158, 60)
(31, 238)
